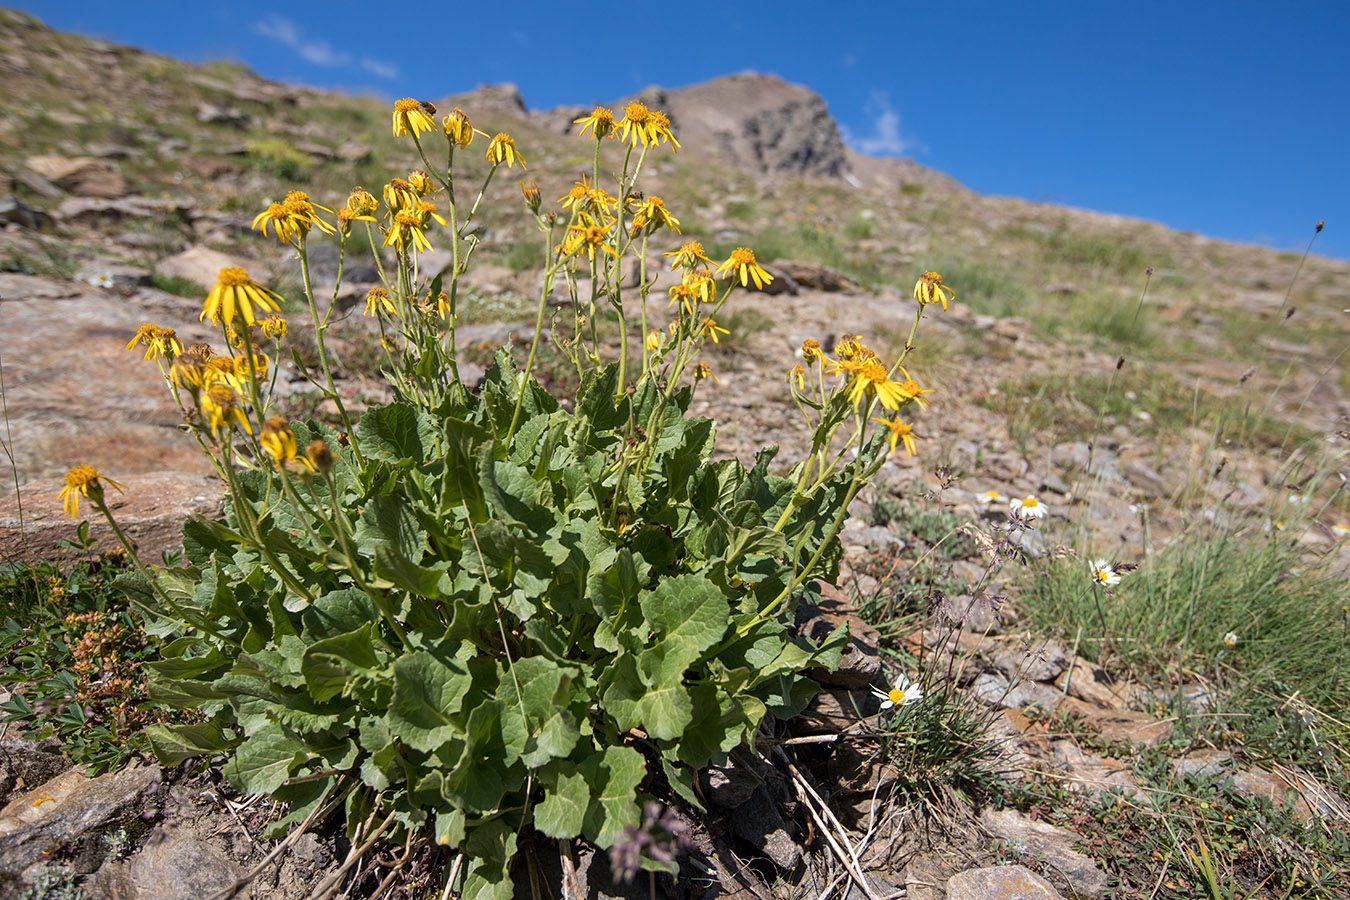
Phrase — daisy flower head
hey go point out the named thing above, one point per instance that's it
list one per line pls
(413, 117)
(85, 481)
(903, 693)
(989, 497)
(236, 291)
(690, 255)
(102, 280)
(530, 191)
(1027, 508)
(502, 149)
(457, 128)
(930, 289)
(872, 379)
(897, 432)
(652, 214)
(703, 370)
(1230, 639)
(1104, 573)
(633, 126)
(1340, 531)
(220, 408)
(741, 264)
(600, 122)
(658, 130)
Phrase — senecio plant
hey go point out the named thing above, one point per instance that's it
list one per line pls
(472, 615)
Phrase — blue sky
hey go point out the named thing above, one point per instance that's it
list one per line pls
(1231, 119)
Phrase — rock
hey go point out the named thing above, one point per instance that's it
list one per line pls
(16, 286)
(37, 184)
(91, 209)
(64, 808)
(179, 867)
(1203, 763)
(996, 690)
(758, 822)
(1094, 684)
(1042, 662)
(1127, 725)
(859, 664)
(354, 151)
(731, 785)
(1051, 842)
(782, 283)
(26, 764)
(1145, 478)
(1013, 328)
(202, 265)
(210, 114)
(835, 710)
(82, 175)
(1000, 883)
(1071, 455)
(1310, 797)
(1089, 772)
(816, 277)
(118, 276)
(13, 210)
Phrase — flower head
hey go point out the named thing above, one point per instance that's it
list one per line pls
(458, 128)
(407, 228)
(502, 149)
(811, 350)
(379, 303)
(654, 340)
(798, 374)
(1340, 531)
(236, 290)
(600, 122)
(161, 342)
(1104, 572)
(872, 379)
(530, 191)
(319, 456)
(420, 182)
(991, 497)
(652, 214)
(930, 289)
(277, 440)
(658, 130)
(1027, 508)
(189, 370)
(274, 327)
(899, 431)
(741, 264)
(102, 280)
(633, 126)
(710, 329)
(362, 202)
(413, 117)
(690, 256)
(1230, 639)
(903, 693)
(399, 196)
(88, 482)
(911, 390)
(220, 408)
(703, 370)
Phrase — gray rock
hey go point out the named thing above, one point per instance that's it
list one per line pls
(93, 209)
(1041, 662)
(211, 114)
(1144, 477)
(180, 867)
(859, 663)
(1204, 763)
(64, 808)
(202, 265)
(996, 690)
(815, 276)
(15, 211)
(1000, 883)
(26, 764)
(758, 823)
(1051, 842)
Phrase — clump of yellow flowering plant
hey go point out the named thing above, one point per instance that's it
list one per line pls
(471, 615)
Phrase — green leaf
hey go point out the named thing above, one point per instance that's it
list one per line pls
(563, 810)
(490, 847)
(393, 569)
(174, 743)
(461, 442)
(338, 612)
(688, 611)
(392, 434)
(476, 782)
(329, 665)
(264, 760)
(388, 521)
(536, 726)
(428, 694)
(613, 777)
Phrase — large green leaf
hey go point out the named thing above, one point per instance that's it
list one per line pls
(562, 812)
(330, 665)
(536, 725)
(428, 694)
(394, 433)
(174, 743)
(613, 777)
(264, 760)
(389, 521)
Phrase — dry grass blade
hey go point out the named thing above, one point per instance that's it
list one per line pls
(329, 884)
(829, 826)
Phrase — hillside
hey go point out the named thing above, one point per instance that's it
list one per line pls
(1176, 402)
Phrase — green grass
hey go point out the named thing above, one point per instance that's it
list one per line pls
(177, 285)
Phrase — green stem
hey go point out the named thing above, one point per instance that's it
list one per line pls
(319, 328)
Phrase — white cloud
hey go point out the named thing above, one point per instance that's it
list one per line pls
(885, 138)
(316, 50)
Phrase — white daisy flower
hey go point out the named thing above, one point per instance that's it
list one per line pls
(102, 280)
(1103, 572)
(1230, 639)
(1340, 532)
(903, 693)
(1027, 508)
(991, 497)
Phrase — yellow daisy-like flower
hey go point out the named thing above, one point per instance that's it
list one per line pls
(220, 370)
(458, 128)
(88, 482)
(600, 122)
(930, 289)
(702, 285)
(502, 149)
(413, 117)
(633, 126)
(811, 350)
(399, 195)
(741, 264)
(658, 130)
(362, 202)
(910, 388)
(420, 182)
(242, 367)
(440, 304)
(275, 216)
(798, 374)
(592, 238)
(406, 229)
(220, 409)
(300, 210)
(158, 342)
(654, 340)
(189, 370)
(682, 294)
(278, 441)
(899, 431)
(703, 370)
(690, 256)
(871, 379)
(425, 211)
(710, 329)
(652, 213)
(378, 302)
(236, 290)
(274, 327)
(530, 191)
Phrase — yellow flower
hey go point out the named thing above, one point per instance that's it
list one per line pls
(242, 367)
(871, 379)
(654, 338)
(910, 388)
(161, 342)
(420, 182)
(600, 122)
(742, 264)
(592, 237)
(406, 228)
(798, 374)
(652, 212)
(220, 408)
(502, 149)
(277, 440)
(457, 128)
(633, 125)
(899, 431)
(362, 202)
(441, 304)
(413, 117)
(530, 191)
(852, 347)
(703, 370)
(292, 218)
(234, 289)
(690, 255)
(930, 289)
(274, 215)
(86, 481)
(319, 456)
(189, 370)
(220, 370)
(378, 301)
(702, 285)
(274, 327)
(811, 350)
(426, 213)
(399, 195)
(658, 130)
(710, 329)
(682, 294)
